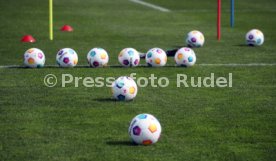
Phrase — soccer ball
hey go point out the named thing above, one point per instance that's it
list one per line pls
(129, 57)
(124, 88)
(185, 57)
(144, 129)
(254, 37)
(67, 57)
(156, 57)
(97, 57)
(195, 39)
(34, 58)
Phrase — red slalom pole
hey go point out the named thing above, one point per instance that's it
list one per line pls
(219, 20)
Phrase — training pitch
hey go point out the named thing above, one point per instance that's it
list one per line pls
(39, 123)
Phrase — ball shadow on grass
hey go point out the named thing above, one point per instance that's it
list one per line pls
(110, 100)
(120, 143)
(105, 100)
(243, 45)
(82, 66)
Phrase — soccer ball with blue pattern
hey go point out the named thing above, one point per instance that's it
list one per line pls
(254, 37)
(195, 39)
(67, 57)
(129, 57)
(185, 57)
(97, 57)
(144, 129)
(124, 88)
(156, 57)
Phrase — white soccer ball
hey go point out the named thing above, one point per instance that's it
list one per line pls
(67, 57)
(129, 57)
(185, 57)
(156, 57)
(124, 88)
(34, 58)
(97, 57)
(254, 37)
(195, 39)
(144, 129)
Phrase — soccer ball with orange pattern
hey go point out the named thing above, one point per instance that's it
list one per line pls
(144, 129)
(156, 57)
(124, 88)
(97, 57)
(34, 58)
(185, 57)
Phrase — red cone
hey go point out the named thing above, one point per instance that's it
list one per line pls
(28, 38)
(67, 28)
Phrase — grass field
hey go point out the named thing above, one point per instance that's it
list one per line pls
(79, 124)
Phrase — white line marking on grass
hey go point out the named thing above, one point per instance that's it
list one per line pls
(144, 65)
(9, 66)
(224, 11)
(156, 7)
(240, 65)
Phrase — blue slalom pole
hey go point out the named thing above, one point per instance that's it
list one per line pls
(232, 10)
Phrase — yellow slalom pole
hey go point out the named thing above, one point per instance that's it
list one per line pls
(51, 19)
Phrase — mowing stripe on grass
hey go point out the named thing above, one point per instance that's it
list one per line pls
(169, 65)
(156, 7)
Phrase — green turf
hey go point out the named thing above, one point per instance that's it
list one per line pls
(78, 124)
